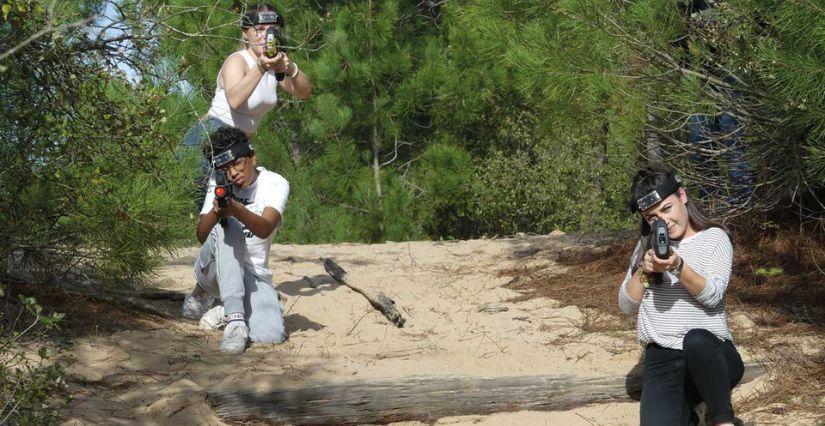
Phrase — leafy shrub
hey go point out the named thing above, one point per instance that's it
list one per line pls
(31, 385)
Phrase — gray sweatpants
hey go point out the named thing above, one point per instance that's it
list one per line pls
(221, 271)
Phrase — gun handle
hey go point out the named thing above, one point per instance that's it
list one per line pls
(279, 76)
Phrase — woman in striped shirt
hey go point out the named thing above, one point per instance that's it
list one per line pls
(689, 354)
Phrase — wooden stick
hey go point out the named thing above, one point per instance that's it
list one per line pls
(381, 302)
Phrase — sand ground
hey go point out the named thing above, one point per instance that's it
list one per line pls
(460, 321)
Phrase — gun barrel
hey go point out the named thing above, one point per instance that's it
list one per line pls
(661, 239)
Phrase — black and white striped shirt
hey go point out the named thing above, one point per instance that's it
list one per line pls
(668, 311)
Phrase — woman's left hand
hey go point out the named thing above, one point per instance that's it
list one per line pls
(652, 263)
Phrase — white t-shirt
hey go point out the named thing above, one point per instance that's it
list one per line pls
(269, 190)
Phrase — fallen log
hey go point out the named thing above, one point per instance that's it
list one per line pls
(379, 301)
(161, 294)
(424, 399)
(131, 302)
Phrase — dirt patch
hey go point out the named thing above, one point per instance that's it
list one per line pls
(779, 283)
(776, 299)
(535, 305)
(461, 321)
(589, 282)
(84, 315)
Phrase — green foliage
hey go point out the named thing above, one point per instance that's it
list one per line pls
(365, 115)
(643, 68)
(444, 174)
(31, 382)
(495, 117)
(558, 189)
(88, 180)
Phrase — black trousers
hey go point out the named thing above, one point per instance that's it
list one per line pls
(674, 381)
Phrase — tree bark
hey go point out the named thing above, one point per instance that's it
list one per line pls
(376, 145)
(425, 398)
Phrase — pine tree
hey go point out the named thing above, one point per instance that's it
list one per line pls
(370, 112)
(89, 188)
(642, 71)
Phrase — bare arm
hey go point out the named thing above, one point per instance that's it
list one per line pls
(300, 86)
(635, 287)
(238, 80)
(205, 225)
(261, 225)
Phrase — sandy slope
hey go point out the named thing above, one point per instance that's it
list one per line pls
(159, 373)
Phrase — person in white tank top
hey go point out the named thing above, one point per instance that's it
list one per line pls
(246, 88)
(247, 82)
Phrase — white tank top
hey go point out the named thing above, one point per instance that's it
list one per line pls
(248, 116)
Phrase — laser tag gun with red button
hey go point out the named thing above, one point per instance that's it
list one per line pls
(223, 192)
(272, 42)
(223, 160)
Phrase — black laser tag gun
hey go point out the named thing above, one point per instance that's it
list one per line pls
(660, 242)
(271, 42)
(223, 192)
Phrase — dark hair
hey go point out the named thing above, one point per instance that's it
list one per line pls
(253, 9)
(221, 139)
(650, 178)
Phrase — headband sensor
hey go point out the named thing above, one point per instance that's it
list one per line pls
(261, 18)
(668, 187)
(231, 154)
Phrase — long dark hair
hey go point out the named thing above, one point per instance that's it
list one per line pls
(650, 178)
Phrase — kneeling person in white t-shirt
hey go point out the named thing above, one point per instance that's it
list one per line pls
(232, 264)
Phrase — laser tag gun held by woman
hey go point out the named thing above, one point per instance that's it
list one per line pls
(273, 40)
(660, 242)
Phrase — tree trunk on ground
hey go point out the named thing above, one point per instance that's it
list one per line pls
(425, 398)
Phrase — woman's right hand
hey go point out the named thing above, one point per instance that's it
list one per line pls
(279, 63)
(652, 264)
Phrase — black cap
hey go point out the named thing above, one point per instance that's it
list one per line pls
(669, 186)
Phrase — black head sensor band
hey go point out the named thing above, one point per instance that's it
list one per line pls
(669, 186)
(231, 154)
(260, 18)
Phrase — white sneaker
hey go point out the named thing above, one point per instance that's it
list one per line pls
(235, 336)
(213, 319)
(194, 307)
